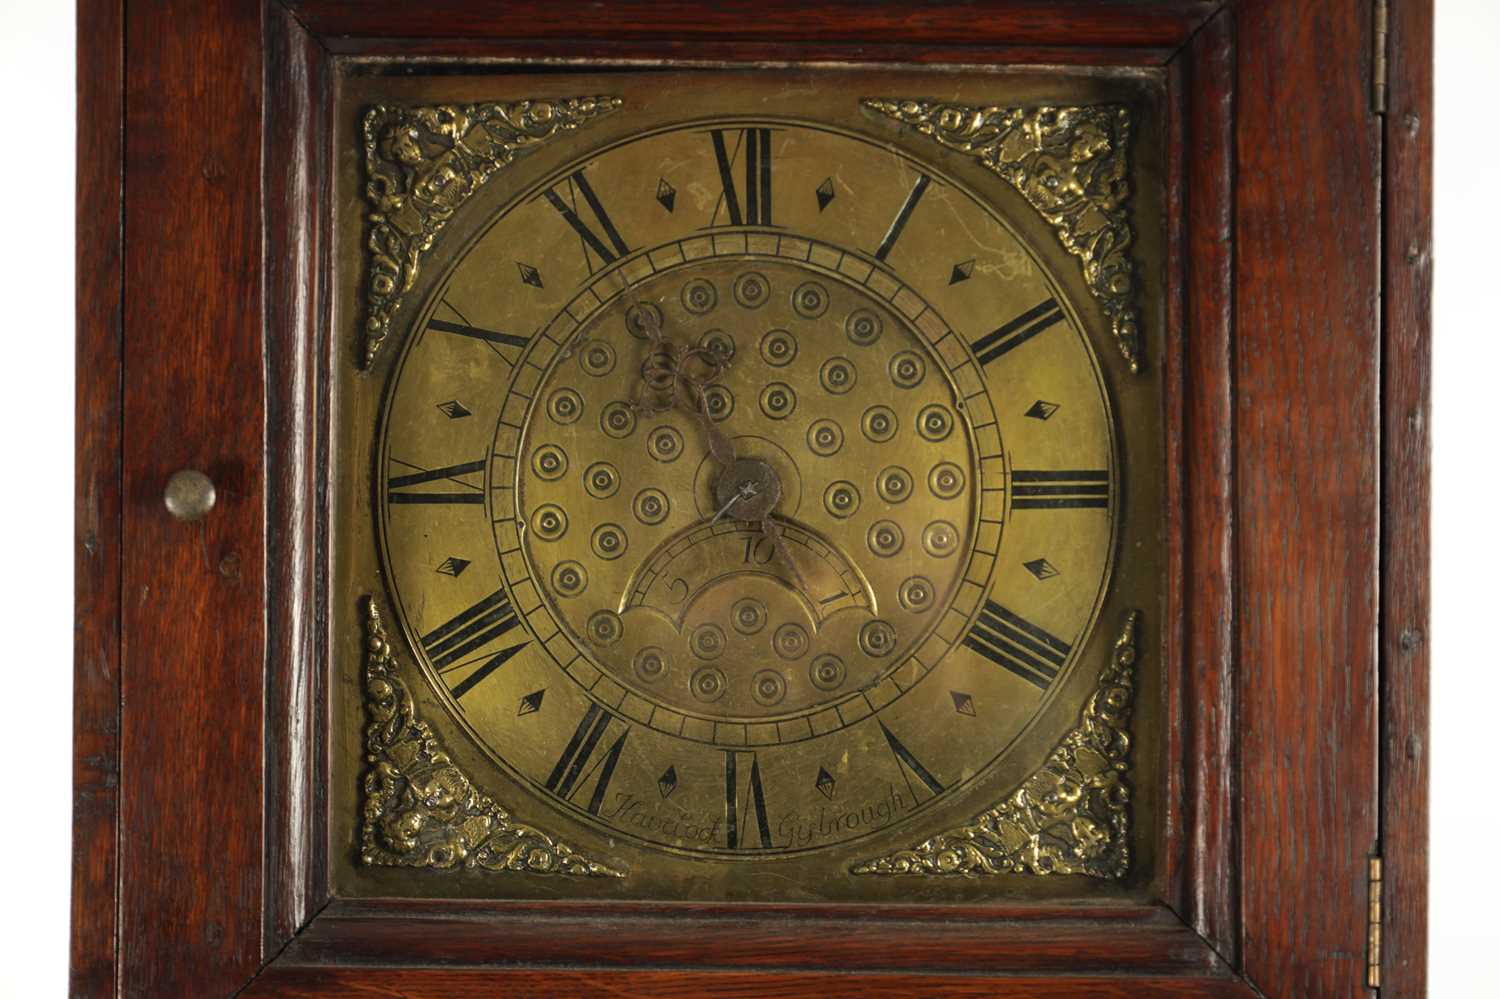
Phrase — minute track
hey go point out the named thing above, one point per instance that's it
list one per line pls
(687, 654)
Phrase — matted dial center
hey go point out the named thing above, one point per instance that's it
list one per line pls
(752, 485)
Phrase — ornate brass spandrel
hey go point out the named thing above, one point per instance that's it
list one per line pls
(422, 163)
(420, 810)
(1070, 164)
(1072, 816)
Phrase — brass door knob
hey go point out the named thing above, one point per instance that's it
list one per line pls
(189, 495)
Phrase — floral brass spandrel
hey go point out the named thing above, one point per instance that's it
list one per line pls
(420, 810)
(1070, 164)
(1072, 816)
(422, 163)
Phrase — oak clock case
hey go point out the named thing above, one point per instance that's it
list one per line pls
(745, 490)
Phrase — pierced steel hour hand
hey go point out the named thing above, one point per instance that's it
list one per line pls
(667, 380)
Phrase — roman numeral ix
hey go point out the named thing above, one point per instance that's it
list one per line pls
(401, 482)
(1015, 644)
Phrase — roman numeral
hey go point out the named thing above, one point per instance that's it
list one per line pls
(754, 801)
(1013, 643)
(1059, 490)
(756, 143)
(399, 482)
(1016, 332)
(574, 770)
(894, 232)
(470, 629)
(909, 765)
(591, 239)
(477, 677)
(488, 336)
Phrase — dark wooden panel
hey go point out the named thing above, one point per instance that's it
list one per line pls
(1057, 939)
(655, 53)
(192, 625)
(1407, 490)
(1307, 421)
(1108, 23)
(444, 983)
(1203, 785)
(298, 246)
(96, 511)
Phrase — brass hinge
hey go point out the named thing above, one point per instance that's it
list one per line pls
(1372, 956)
(1379, 66)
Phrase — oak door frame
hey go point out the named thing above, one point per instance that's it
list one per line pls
(1297, 667)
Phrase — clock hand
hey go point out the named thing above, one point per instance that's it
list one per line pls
(772, 530)
(665, 377)
(746, 491)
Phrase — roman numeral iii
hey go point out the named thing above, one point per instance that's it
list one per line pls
(399, 484)
(1058, 490)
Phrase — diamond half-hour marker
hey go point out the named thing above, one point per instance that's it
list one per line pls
(825, 193)
(667, 782)
(454, 410)
(825, 783)
(1043, 410)
(453, 566)
(666, 194)
(529, 274)
(962, 703)
(962, 272)
(532, 702)
(1041, 568)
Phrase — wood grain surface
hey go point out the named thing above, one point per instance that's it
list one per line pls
(1202, 785)
(1307, 475)
(518, 983)
(96, 510)
(923, 23)
(203, 343)
(1069, 940)
(192, 658)
(1406, 498)
(298, 247)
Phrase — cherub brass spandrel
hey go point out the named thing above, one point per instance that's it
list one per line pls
(747, 491)
(421, 810)
(1070, 817)
(1070, 164)
(423, 163)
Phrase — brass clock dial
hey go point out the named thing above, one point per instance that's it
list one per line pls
(900, 371)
